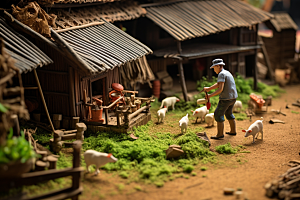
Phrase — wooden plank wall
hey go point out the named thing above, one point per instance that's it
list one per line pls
(281, 47)
(158, 65)
(54, 82)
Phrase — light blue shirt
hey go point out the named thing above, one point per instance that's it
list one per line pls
(229, 90)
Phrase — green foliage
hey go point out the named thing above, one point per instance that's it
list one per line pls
(188, 168)
(203, 168)
(226, 149)
(3, 109)
(146, 155)
(64, 161)
(16, 148)
(240, 116)
(124, 174)
(295, 112)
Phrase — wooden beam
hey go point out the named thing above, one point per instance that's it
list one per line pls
(267, 60)
(255, 71)
(181, 72)
(79, 27)
(72, 93)
(43, 99)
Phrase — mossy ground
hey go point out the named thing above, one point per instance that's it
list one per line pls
(143, 160)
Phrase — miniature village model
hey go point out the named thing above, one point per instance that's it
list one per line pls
(101, 99)
(122, 114)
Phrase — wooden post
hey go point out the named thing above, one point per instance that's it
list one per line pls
(56, 120)
(181, 72)
(76, 163)
(52, 162)
(16, 126)
(255, 70)
(118, 119)
(81, 127)
(43, 99)
(106, 116)
(74, 121)
(72, 93)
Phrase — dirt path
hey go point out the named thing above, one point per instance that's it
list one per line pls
(249, 171)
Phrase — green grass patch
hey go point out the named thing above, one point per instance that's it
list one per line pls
(245, 152)
(226, 149)
(295, 112)
(203, 168)
(146, 156)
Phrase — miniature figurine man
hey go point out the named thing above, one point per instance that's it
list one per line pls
(228, 94)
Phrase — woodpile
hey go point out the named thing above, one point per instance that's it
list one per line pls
(11, 94)
(287, 185)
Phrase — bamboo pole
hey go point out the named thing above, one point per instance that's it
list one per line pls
(79, 27)
(43, 99)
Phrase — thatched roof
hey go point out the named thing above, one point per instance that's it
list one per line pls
(111, 12)
(283, 21)
(26, 55)
(190, 19)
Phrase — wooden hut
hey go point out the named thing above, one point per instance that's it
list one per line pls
(26, 58)
(281, 45)
(203, 30)
(88, 57)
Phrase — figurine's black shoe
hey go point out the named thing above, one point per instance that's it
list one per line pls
(228, 133)
(217, 137)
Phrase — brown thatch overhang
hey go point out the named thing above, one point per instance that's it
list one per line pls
(76, 16)
(58, 3)
(26, 55)
(193, 51)
(283, 21)
(190, 19)
(104, 46)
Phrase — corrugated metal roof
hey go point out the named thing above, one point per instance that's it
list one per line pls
(104, 46)
(110, 12)
(283, 21)
(26, 55)
(191, 19)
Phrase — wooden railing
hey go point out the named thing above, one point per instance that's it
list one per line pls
(42, 176)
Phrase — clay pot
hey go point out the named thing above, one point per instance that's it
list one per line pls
(16, 168)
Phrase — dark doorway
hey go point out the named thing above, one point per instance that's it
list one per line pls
(250, 64)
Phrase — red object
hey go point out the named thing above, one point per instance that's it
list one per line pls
(208, 104)
(97, 116)
(118, 87)
(260, 102)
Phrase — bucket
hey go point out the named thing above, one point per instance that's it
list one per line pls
(97, 115)
(156, 88)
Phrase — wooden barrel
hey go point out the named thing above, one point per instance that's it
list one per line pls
(156, 88)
